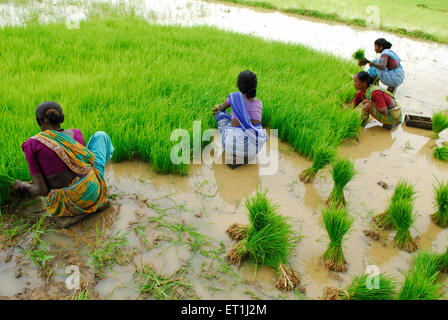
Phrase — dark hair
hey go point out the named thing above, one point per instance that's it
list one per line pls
(365, 77)
(247, 83)
(381, 42)
(50, 111)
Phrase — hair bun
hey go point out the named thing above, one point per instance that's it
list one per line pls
(53, 116)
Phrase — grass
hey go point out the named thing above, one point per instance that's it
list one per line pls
(160, 78)
(323, 155)
(423, 19)
(441, 153)
(440, 217)
(439, 122)
(359, 55)
(162, 288)
(107, 252)
(269, 239)
(421, 281)
(403, 191)
(358, 289)
(337, 222)
(401, 213)
(342, 171)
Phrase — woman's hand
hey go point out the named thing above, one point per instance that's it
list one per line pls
(363, 62)
(19, 186)
(367, 106)
(215, 109)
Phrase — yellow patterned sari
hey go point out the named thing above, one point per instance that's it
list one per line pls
(83, 195)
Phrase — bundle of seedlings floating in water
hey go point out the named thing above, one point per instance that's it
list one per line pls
(323, 155)
(359, 290)
(267, 240)
(439, 123)
(401, 213)
(342, 172)
(441, 153)
(440, 217)
(421, 281)
(337, 222)
(403, 191)
(359, 55)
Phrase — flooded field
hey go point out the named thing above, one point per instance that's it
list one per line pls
(151, 208)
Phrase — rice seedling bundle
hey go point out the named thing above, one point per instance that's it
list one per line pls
(403, 191)
(337, 222)
(359, 55)
(343, 170)
(421, 281)
(443, 261)
(440, 217)
(441, 153)
(323, 155)
(268, 239)
(359, 290)
(439, 122)
(401, 213)
(139, 82)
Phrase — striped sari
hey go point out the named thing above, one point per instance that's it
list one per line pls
(83, 195)
(394, 115)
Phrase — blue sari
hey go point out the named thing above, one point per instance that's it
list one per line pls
(242, 142)
(392, 78)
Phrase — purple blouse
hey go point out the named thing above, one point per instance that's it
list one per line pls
(254, 108)
(43, 160)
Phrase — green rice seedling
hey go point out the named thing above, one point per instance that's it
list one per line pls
(440, 217)
(162, 288)
(359, 55)
(401, 213)
(443, 261)
(107, 251)
(166, 91)
(421, 281)
(343, 170)
(337, 222)
(323, 155)
(439, 122)
(359, 290)
(268, 240)
(403, 191)
(261, 209)
(441, 153)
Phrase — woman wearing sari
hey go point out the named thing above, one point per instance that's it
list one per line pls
(388, 67)
(66, 174)
(241, 133)
(376, 101)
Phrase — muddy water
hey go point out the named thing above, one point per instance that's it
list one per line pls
(211, 197)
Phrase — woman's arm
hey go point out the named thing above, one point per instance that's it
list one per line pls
(220, 107)
(382, 65)
(37, 186)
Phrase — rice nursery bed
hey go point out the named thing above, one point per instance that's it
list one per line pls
(138, 82)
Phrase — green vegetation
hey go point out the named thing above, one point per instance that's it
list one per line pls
(403, 191)
(421, 281)
(359, 55)
(401, 214)
(358, 289)
(139, 82)
(441, 153)
(323, 155)
(439, 122)
(337, 222)
(269, 241)
(424, 19)
(162, 288)
(108, 251)
(440, 217)
(342, 171)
